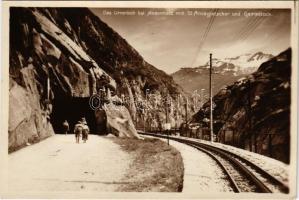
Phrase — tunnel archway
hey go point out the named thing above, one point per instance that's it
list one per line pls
(73, 109)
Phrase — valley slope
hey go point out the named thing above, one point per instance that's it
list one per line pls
(225, 71)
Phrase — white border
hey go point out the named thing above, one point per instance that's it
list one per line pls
(147, 4)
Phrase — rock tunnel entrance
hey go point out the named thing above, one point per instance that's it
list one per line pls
(73, 109)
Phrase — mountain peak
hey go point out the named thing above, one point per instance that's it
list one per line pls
(243, 64)
(225, 71)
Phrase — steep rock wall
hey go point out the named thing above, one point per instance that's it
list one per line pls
(254, 112)
(72, 54)
(44, 64)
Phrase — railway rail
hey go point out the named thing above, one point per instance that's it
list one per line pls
(243, 175)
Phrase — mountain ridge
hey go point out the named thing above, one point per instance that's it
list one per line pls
(225, 71)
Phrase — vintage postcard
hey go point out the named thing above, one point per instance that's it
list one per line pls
(147, 100)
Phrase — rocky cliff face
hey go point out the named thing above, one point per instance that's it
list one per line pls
(254, 113)
(59, 58)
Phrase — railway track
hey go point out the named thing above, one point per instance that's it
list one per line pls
(243, 175)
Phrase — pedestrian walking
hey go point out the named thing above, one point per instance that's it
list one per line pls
(85, 131)
(66, 127)
(78, 131)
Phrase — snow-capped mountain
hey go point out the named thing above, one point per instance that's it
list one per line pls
(225, 71)
(243, 64)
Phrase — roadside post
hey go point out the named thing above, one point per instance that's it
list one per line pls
(167, 128)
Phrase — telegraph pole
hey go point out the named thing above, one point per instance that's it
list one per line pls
(167, 115)
(145, 109)
(186, 111)
(211, 100)
(176, 113)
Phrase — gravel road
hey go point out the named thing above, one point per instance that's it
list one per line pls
(59, 164)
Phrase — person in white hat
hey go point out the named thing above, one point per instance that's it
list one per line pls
(85, 131)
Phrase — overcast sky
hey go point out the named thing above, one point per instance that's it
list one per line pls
(170, 42)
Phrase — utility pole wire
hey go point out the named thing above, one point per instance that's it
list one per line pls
(248, 28)
(204, 36)
(245, 28)
(256, 25)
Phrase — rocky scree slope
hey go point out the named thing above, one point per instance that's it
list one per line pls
(59, 57)
(256, 109)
